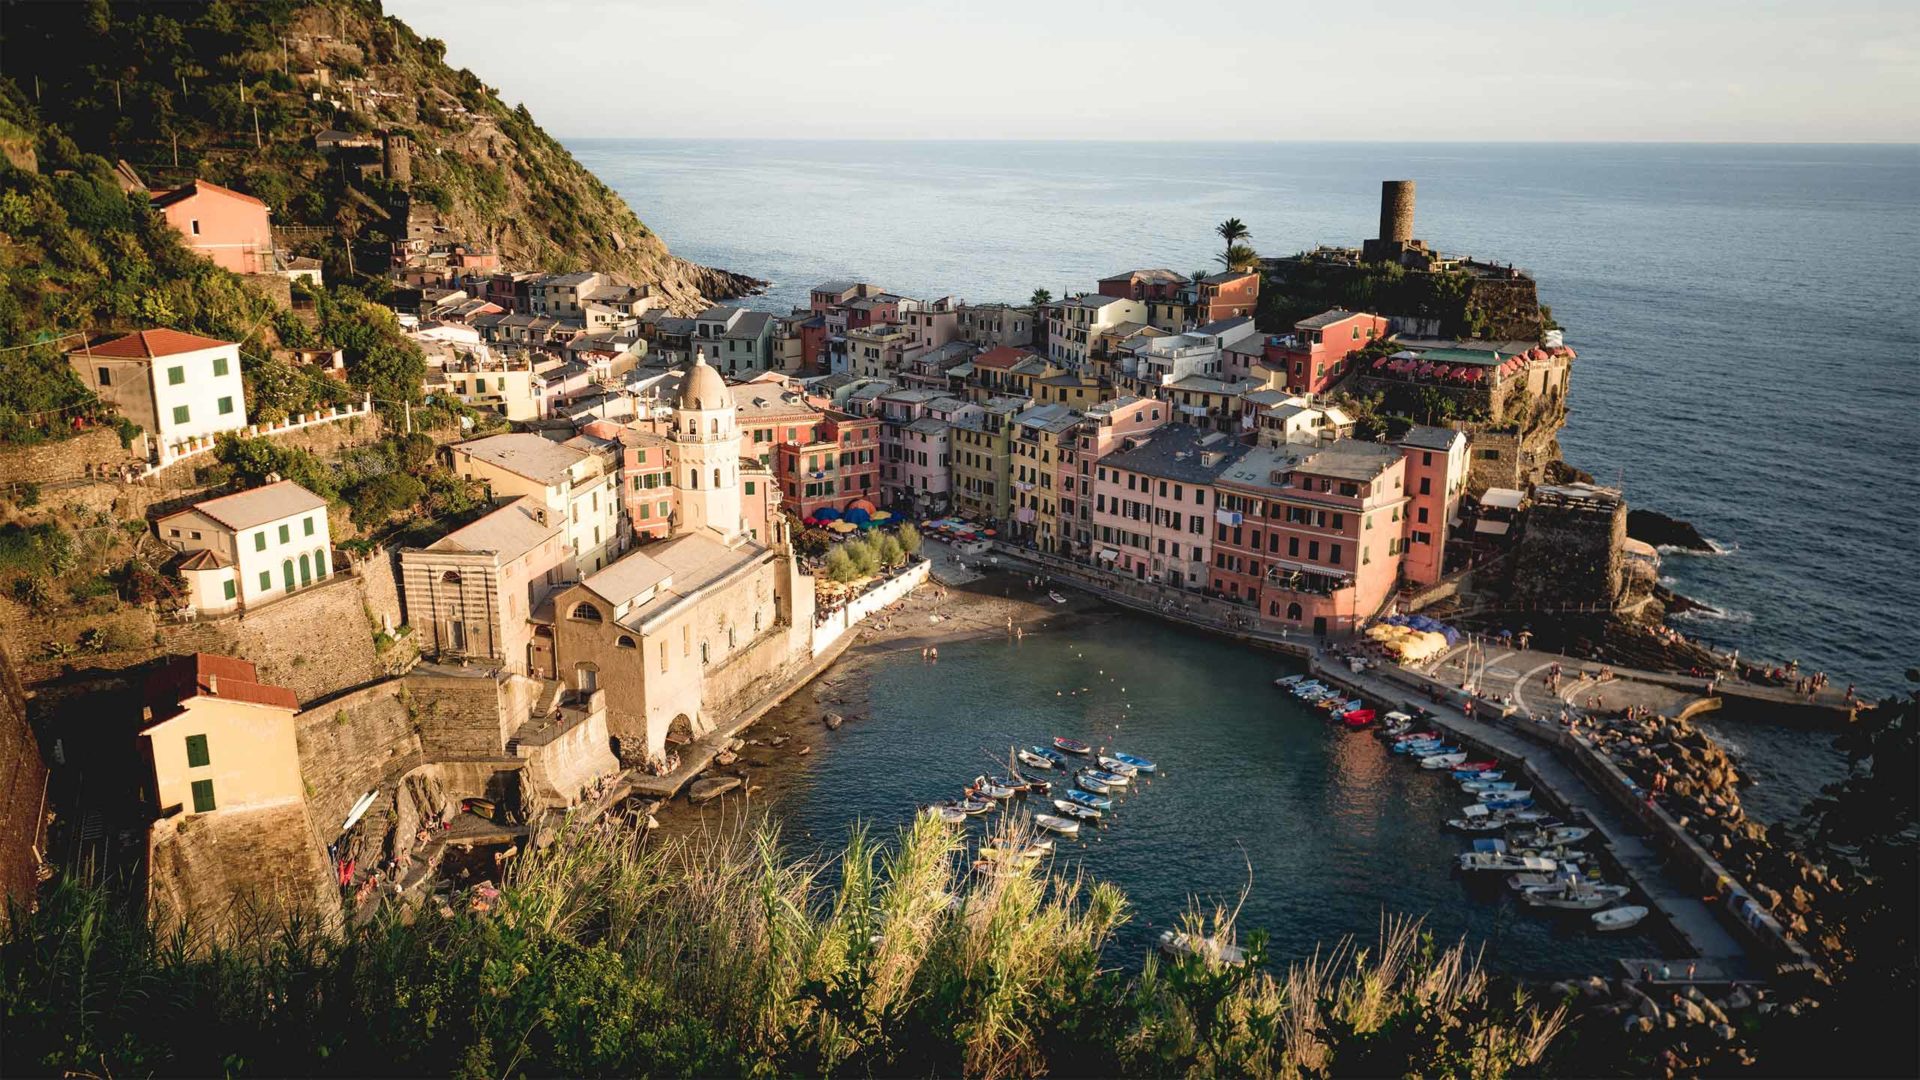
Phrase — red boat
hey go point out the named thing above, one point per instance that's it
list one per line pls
(1358, 718)
(1475, 766)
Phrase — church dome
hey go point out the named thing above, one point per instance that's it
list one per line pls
(704, 388)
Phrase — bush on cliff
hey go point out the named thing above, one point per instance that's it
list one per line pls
(608, 954)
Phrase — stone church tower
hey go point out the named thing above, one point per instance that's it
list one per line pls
(706, 452)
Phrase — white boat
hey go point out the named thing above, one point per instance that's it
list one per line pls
(1443, 761)
(1091, 784)
(1476, 825)
(985, 788)
(1029, 758)
(1396, 717)
(1565, 834)
(1056, 597)
(1179, 944)
(1573, 896)
(1139, 764)
(946, 812)
(1116, 766)
(1475, 787)
(1508, 795)
(1505, 862)
(1288, 681)
(1063, 826)
(1111, 779)
(1620, 918)
(359, 809)
(1076, 810)
(1527, 881)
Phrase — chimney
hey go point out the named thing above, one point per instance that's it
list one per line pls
(213, 684)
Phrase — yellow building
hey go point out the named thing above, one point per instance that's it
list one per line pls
(983, 460)
(218, 738)
(1040, 436)
(576, 480)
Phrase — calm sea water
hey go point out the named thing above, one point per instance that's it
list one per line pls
(1748, 317)
(1328, 827)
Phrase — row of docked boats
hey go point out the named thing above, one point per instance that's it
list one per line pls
(1085, 795)
(1541, 858)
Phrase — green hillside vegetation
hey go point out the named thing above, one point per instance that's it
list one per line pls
(608, 954)
(235, 93)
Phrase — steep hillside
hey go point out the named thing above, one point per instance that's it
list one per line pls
(236, 93)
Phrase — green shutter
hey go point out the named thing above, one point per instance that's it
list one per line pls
(266, 581)
(226, 405)
(202, 796)
(180, 414)
(197, 751)
(228, 588)
(219, 365)
(286, 533)
(260, 540)
(308, 523)
(176, 376)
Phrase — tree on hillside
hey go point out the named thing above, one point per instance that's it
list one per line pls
(1232, 231)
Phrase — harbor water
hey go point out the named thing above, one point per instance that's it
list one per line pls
(1328, 827)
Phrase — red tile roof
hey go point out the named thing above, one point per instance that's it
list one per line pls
(208, 675)
(150, 344)
(1005, 356)
(195, 187)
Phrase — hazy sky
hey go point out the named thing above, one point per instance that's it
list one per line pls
(1705, 70)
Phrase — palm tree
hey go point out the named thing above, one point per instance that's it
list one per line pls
(1233, 230)
(1240, 258)
(1040, 298)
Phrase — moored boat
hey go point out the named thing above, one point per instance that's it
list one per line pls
(1092, 783)
(1033, 760)
(1288, 682)
(1049, 753)
(1179, 944)
(1620, 918)
(1065, 826)
(1088, 798)
(1573, 896)
(972, 807)
(1112, 780)
(1475, 787)
(1076, 810)
(1505, 862)
(1071, 746)
(987, 789)
(1140, 763)
(1116, 766)
(947, 812)
(1443, 760)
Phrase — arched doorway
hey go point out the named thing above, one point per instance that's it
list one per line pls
(306, 570)
(680, 731)
(1294, 612)
(320, 564)
(286, 573)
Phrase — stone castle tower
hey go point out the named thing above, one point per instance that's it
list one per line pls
(396, 157)
(706, 452)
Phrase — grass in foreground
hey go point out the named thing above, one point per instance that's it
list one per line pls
(608, 954)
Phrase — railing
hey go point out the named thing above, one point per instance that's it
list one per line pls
(174, 453)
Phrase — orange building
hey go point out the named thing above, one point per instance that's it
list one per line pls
(230, 228)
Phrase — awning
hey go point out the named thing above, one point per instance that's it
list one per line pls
(1108, 554)
(1491, 528)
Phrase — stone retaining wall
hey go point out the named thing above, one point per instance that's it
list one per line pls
(827, 630)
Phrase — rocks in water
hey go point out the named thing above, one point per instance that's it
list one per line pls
(725, 757)
(833, 721)
(804, 750)
(711, 787)
(1653, 527)
(777, 741)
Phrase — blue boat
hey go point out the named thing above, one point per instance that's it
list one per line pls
(1087, 798)
(1104, 777)
(1050, 754)
(1137, 762)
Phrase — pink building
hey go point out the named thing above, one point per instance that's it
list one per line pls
(1436, 478)
(914, 462)
(1102, 429)
(230, 228)
(1311, 537)
(1153, 503)
(1315, 356)
(1143, 285)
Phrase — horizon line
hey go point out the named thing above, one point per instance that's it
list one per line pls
(1268, 142)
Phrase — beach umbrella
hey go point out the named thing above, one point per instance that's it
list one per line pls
(883, 515)
(827, 513)
(863, 504)
(990, 532)
(841, 527)
(857, 514)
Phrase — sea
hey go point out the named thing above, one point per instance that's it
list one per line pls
(1747, 318)
(1310, 832)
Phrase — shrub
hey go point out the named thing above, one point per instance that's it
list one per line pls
(909, 538)
(839, 566)
(866, 560)
(890, 552)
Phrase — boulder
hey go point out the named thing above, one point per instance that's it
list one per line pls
(833, 721)
(711, 787)
(1739, 999)
(1723, 1031)
(725, 757)
(1693, 1012)
(1638, 1025)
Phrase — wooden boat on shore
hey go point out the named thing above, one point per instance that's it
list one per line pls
(1071, 746)
(1065, 826)
(1620, 918)
(1076, 810)
(1181, 945)
(1139, 763)
(1088, 798)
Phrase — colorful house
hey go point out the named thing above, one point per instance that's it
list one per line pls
(1153, 503)
(1315, 356)
(181, 389)
(232, 229)
(250, 548)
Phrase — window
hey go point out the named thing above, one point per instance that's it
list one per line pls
(266, 581)
(194, 225)
(1426, 486)
(197, 756)
(663, 656)
(176, 375)
(226, 406)
(585, 612)
(219, 365)
(286, 533)
(749, 487)
(202, 796)
(180, 414)
(624, 641)
(227, 588)
(106, 377)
